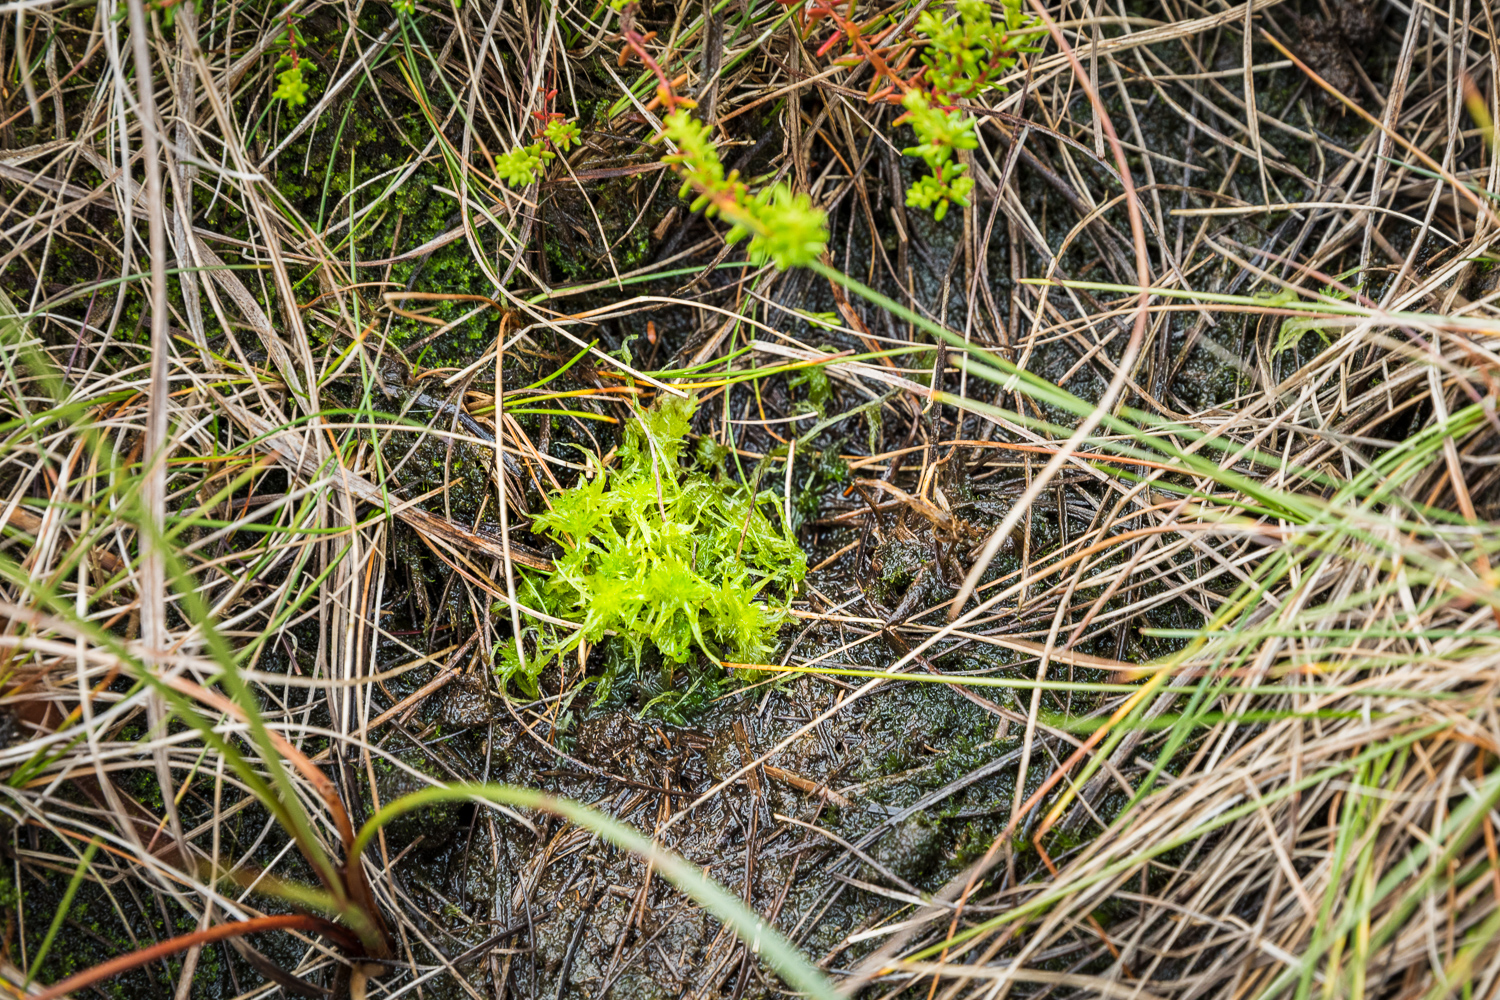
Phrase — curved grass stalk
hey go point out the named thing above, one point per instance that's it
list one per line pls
(751, 928)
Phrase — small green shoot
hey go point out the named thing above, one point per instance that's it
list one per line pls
(784, 228)
(291, 86)
(521, 166)
(562, 133)
(964, 57)
(1293, 328)
(943, 133)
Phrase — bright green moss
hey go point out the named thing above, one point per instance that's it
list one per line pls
(661, 558)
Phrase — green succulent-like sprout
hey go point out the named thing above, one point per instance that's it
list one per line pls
(291, 87)
(794, 231)
(697, 161)
(521, 165)
(784, 228)
(942, 132)
(964, 57)
(935, 195)
(661, 557)
(562, 133)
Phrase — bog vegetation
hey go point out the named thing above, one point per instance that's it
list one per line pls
(655, 559)
(963, 499)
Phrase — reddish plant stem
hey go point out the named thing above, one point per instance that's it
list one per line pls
(637, 43)
(350, 887)
(221, 932)
(845, 25)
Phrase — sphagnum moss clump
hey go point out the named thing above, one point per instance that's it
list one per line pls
(659, 556)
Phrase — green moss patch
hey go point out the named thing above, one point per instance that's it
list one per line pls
(660, 560)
